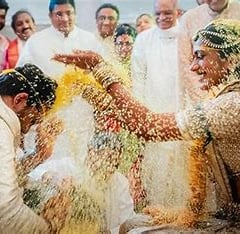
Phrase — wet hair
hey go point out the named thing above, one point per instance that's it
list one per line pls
(224, 36)
(4, 5)
(31, 80)
(125, 29)
(15, 16)
(107, 5)
(52, 4)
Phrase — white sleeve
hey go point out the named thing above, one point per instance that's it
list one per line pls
(15, 217)
(138, 67)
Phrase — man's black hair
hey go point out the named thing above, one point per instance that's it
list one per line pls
(107, 5)
(52, 4)
(4, 5)
(16, 14)
(31, 80)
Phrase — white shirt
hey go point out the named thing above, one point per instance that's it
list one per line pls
(15, 217)
(108, 48)
(119, 205)
(42, 46)
(154, 68)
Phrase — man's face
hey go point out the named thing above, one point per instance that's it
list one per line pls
(63, 18)
(2, 18)
(29, 116)
(106, 21)
(166, 13)
(24, 26)
(217, 5)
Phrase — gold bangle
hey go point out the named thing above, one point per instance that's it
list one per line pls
(99, 99)
(104, 75)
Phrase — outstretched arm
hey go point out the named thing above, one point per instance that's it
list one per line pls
(133, 115)
(140, 120)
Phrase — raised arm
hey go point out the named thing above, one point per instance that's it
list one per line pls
(133, 115)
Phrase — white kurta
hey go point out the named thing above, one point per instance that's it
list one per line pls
(154, 74)
(15, 217)
(190, 23)
(42, 46)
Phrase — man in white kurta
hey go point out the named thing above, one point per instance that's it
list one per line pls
(78, 115)
(191, 22)
(154, 74)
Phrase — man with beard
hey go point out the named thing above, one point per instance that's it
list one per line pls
(23, 25)
(3, 40)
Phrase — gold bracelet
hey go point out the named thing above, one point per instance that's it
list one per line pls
(104, 74)
(99, 99)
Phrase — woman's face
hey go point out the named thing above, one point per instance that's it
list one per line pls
(124, 45)
(209, 66)
(143, 23)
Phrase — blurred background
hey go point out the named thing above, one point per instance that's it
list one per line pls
(129, 10)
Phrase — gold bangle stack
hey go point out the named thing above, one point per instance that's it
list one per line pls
(104, 75)
(97, 98)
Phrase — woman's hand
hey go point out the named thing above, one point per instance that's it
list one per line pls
(86, 60)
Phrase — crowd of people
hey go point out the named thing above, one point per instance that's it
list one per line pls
(133, 126)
